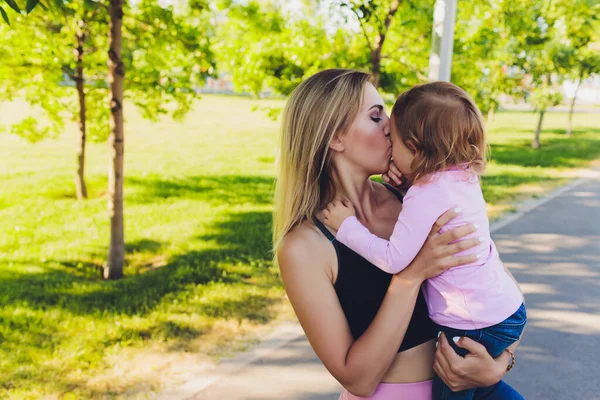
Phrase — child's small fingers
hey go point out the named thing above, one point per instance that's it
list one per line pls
(395, 169)
(385, 177)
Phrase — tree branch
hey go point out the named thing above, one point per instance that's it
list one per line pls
(67, 71)
(364, 31)
(392, 11)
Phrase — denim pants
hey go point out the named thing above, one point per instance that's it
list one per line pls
(495, 339)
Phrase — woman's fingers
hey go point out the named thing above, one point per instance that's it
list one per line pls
(461, 246)
(447, 361)
(456, 233)
(472, 346)
(444, 219)
(447, 352)
(462, 260)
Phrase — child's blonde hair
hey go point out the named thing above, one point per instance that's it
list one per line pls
(440, 123)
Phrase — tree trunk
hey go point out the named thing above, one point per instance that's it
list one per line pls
(80, 187)
(536, 140)
(490, 115)
(570, 126)
(376, 66)
(376, 51)
(116, 73)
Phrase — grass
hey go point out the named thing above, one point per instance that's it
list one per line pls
(198, 282)
(517, 171)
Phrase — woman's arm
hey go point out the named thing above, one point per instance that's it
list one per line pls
(476, 369)
(359, 365)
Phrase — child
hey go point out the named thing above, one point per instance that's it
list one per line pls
(438, 144)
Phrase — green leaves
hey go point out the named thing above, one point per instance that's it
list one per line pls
(4, 16)
(544, 98)
(12, 4)
(31, 5)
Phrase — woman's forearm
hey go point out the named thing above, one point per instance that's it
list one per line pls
(370, 357)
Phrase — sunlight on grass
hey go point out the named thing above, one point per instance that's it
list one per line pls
(199, 280)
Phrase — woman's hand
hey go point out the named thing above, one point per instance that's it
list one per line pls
(437, 254)
(476, 369)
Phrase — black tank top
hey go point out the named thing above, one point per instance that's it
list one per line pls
(361, 288)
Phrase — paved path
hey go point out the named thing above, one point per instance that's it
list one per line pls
(553, 251)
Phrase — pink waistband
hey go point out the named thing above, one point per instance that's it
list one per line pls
(396, 391)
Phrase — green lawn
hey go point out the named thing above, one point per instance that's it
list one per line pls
(199, 280)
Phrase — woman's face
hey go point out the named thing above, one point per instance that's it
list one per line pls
(366, 143)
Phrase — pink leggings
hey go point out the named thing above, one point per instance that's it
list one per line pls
(396, 391)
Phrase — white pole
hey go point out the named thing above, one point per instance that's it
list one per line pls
(440, 60)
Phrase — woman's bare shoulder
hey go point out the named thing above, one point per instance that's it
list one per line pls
(305, 245)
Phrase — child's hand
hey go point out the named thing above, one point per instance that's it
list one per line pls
(394, 177)
(336, 212)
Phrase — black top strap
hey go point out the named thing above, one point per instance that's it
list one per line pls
(394, 191)
(323, 229)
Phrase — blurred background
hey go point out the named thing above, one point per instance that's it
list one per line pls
(200, 86)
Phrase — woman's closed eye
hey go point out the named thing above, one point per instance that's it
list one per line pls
(376, 119)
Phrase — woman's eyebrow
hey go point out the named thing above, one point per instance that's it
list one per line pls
(379, 106)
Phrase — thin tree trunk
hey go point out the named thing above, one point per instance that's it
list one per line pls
(376, 52)
(536, 140)
(376, 66)
(116, 250)
(80, 187)
(570, 126)
(490, 115)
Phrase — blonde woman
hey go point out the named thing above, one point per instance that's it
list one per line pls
(370, 329)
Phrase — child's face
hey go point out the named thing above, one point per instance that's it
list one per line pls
(402, 156)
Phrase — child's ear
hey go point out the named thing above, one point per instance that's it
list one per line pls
(337, 144)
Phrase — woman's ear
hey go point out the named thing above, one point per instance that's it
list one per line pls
(337, 144)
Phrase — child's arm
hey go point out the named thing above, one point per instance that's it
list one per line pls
(422, 206)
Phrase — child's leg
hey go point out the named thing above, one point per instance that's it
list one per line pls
(495, 339)
(499, 391)
(442, 392)
(498, 337)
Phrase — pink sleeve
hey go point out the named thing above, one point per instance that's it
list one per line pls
(421, 207)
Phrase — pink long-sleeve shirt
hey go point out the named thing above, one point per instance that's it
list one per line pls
(471, 296)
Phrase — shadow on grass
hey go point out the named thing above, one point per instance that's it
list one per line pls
(495, 186)
(28, 335)
(244, 238)
(143, 246)
(554, 152)
(228, 189)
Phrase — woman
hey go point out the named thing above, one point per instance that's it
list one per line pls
(370, 329)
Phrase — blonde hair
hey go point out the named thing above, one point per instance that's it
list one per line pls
(321, 106)
(440, 123)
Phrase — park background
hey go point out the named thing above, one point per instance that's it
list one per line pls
(204, 84)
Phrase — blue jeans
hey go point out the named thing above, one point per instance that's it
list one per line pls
(495, 339)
